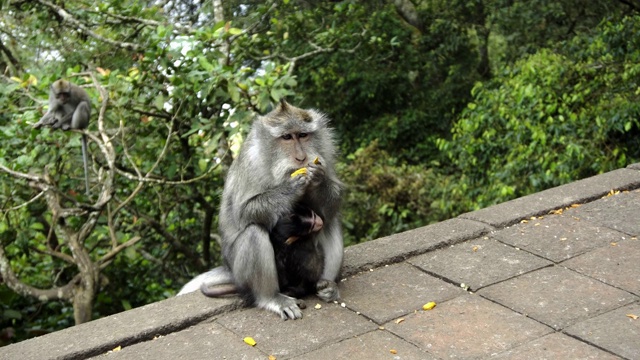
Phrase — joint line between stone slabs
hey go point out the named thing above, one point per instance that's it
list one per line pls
(489, 226)
(302, 355)
(585, 341)
(518, 312)
(438, 276)
(397, 259)
(516, 248)
(513, 277)
(471, 290)
(600, 281)
(242, 336)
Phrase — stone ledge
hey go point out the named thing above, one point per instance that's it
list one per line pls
(399, 247)
(123, 329)
(510, 212)
(635, 166)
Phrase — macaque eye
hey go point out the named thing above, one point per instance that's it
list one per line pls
(302, 135)
(287, 137)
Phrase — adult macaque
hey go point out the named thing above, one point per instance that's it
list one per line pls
(69, 108)
(259, 191)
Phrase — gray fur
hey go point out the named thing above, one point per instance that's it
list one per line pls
(259, 190)
(69, 108)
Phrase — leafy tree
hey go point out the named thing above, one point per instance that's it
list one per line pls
(390, 196)
(170, 99)
(551, 118)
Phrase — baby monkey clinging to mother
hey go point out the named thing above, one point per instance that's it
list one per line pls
(259, 191)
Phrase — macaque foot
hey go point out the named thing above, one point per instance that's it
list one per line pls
(327, 290)
(285, 306)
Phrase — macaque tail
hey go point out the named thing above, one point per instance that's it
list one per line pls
(215, 282)
(85, 160)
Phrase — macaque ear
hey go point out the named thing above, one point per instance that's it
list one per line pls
(283, 106)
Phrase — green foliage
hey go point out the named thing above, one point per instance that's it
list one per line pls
(176, 96)
(384, 196)
(524, 27)
(395, 84)
(551, 118)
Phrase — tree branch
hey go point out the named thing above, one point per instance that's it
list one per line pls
(407, 11)
(12, 281)
(634, 5)
(66, 17)
(111, 254)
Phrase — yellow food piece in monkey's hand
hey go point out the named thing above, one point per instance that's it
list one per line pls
(428, 306)
(304, 171)
(250, 341)
(301, 171)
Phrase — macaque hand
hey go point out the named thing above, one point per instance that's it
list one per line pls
(300, 182)
(315, 173)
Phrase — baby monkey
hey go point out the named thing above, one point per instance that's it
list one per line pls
(299, 258)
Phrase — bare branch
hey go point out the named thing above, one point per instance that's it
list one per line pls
(293, 60)
(633, 4)
(408, 12)
(111, 254)
(106, 147)
(165, 181)
(12, 281)
(182, 29)
(66, 17)
(26, 203)
(12, 60)
(21, 175)
(56, 254)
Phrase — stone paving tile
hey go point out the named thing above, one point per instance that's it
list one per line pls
(392, 291)
(557, 296)
(397, 248)
(478, 263)
(558, 237)
(617, 265)
(619, 212)
(370, 346)
(542, 202)
(467, 327)
(556, 346)
(614, 331)
(283, 339)
(203, 341)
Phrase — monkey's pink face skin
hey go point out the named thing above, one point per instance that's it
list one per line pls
(296, 145)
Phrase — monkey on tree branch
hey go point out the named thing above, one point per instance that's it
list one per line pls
(69, 108)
